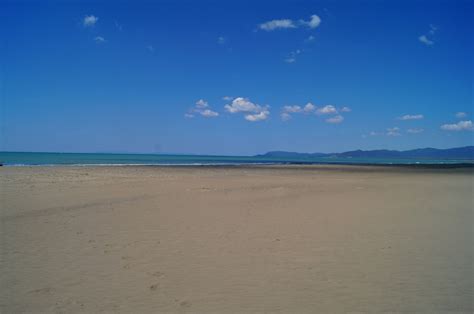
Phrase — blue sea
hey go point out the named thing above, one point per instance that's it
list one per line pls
(103, 159)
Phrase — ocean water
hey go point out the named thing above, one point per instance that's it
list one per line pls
(51, 159)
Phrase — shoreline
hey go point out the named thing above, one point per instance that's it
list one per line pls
(290, 166)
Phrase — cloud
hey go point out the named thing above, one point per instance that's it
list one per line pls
(89, 20)
(346, 109)
(288, 110)
(425, 40)
(201, 103)
(254, 111)
(335, 119)
(292, 109)
(310, 38)
(292, 56)
(272, 25)
(277, 24)
(263, 115)
(411, 117)
(460, 126)
(309, 107)
(221, 40)
(99, 39)
(241, 104)
(461, 115)
(313, 22)
(395, 131)
(209, 113)
(373, 133)
(285, 116)
(227, 98)
(415, 131)
(328, 109)
(201, 107)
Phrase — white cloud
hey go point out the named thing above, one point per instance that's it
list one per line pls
(310, 38)
(201, 103)
(425, 40)
(428, 38)
(395, 131)
(277, 24)
(411, 117)
(461, 115)
(460, 126)
(221, 40)
(227, 98)
(328, 109)
(415, 131)
(201, 107)
(373, 133)
(263, 115)
(309, 107)
(254, 112)
(346, 109)
(292, 109)
(292, 56)
(89, 20)
(285, 116)
(99, 39)
(335, 119)
(208, 113)
(313, 22)
(241, 104)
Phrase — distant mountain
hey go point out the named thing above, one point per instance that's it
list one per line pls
(466, 152)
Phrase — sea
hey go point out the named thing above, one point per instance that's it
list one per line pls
(105, 159)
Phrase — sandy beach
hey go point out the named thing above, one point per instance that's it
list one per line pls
(301, 239)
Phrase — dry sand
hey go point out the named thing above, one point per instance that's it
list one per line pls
(317, 239)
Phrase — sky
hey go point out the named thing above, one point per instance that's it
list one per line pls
(235, 77)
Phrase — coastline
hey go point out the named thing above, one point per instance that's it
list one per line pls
(464, 166)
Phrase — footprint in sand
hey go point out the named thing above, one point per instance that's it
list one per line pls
(42, 290)
(183, 303)
(154, 287)
(158, 274)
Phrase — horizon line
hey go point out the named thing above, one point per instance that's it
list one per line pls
(221, 155)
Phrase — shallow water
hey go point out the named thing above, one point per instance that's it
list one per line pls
(25, 158)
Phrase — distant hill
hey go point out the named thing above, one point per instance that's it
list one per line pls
(466, 152)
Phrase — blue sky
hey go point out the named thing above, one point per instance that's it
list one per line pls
(235, 77)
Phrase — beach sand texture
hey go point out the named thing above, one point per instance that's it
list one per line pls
(315, 239)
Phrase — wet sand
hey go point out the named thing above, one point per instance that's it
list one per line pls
(302, 239)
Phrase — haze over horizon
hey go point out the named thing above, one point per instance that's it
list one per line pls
(239, 78)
